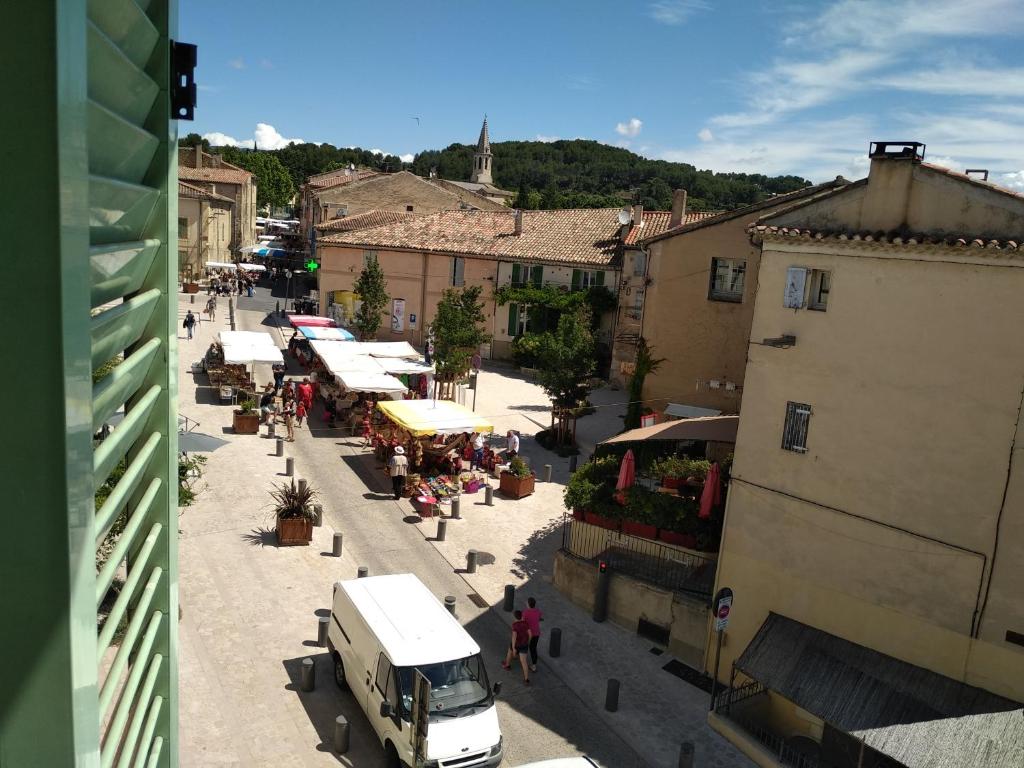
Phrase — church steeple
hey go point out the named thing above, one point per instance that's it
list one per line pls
(482, 158)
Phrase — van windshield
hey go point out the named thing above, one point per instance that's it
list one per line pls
(454, 685)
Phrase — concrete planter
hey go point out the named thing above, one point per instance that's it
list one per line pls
(246, 423)
(516, 487)
(294, 531)
(191, 287)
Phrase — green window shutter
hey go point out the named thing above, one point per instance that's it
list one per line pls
(600, 278)
(516, 269)
(537, 276)
(513, 319)
(577, 278)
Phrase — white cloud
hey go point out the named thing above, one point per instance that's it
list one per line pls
(408, 157)
(630, 128)
(1013, 180)
(960, 81)
(545, 139)
(266, 136)
(675, 12)
(238, 63)
(375, 151)
(704, 134)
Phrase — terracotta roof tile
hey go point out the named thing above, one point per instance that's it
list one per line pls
(217, 175)
(198, 193)
(338, 177)
(581, 236)
(364, 221)
(1009, 247)
(656, 222)
(467, 195)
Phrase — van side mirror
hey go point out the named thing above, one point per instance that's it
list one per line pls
(386, 710)
(497, 688)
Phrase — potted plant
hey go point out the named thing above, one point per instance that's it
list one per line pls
(246, 419)
(517, 481)
(670, 469)
(642, 506)
(610, 523)
(293, 514)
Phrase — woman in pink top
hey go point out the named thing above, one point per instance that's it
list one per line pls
(532, 616)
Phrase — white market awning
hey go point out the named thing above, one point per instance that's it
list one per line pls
(245, 347)
(252, 267)
(357, 381)
(397, 365)
(325, 334)
(219, 265)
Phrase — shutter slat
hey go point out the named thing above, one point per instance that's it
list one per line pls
(131, 529)
(138, 711)
(115, 82)
(146, 742)
(117, 148)
(513, 319)
(110, 451)
(125, 487)
(120, 268)
(127, 26)
(122, 382)
(117, 328)
(118, 210)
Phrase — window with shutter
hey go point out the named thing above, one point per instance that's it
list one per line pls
(458, 271)
(516, 277)
(794, 430)
(537, 276)
(513, 319)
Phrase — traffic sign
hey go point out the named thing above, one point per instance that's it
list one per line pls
(723, 607)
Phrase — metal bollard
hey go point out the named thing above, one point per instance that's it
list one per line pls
(449, 603)
(547, 473)
(321, 631)
(340, 735)
(611, 697)
(192, 299)
(604, 578)
(272, 432)
(471, 561)
(318, 515)
(442, 530)
(572, 463)
(308, 675)
(489, 495)
(686, 754)
(280, 442)
(302, 485)
(510, 598)
(363, 572)
(339, 540)
(289, 466)
(455, 508)
(555, 643)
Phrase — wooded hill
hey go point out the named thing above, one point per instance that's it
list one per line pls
(558, 174)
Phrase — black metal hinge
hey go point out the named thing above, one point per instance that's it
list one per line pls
(183, 88)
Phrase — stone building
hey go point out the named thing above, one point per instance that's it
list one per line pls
(216, 175)
(205, 226)
(481, 181)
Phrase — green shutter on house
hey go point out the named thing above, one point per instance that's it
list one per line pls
(515, 274)
(513, 319)
(600, 278)
(537, 276)
(577, 278)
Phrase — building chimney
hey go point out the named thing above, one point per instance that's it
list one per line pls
(886, 203)
(433, 172)
(678, 208)
(198, 161)
(519, 223)
(638, 214)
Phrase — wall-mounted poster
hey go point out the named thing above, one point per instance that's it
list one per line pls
(796, 279)
(398, 316)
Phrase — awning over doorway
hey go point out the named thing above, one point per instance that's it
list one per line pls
(915, 716)
(721, 429)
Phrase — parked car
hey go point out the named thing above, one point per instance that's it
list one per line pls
(416, 673)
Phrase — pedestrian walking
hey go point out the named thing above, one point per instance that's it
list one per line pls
(533, 617)
(279, 371)
(478, 451)
(519, 646)
(305, 393)
(300, 412)
(398, 467)
(513, 445)
(211, 308)
(189, 324)
(289, 416)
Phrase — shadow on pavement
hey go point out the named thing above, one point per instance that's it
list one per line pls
(261, 537)
(368, 471)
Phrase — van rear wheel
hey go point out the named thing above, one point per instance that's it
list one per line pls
(339, 673)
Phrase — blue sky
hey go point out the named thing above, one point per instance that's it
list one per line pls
(730, 85)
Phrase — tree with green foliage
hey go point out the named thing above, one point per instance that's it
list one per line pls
(274, 185)
(191, 139)
(645, 364)
(566, 360)
(371, 287)
(458, 333)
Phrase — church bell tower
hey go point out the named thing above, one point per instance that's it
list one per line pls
(482, 158)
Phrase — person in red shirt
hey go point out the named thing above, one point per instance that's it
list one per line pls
(533, 617)
(519, 646)
(306, 394)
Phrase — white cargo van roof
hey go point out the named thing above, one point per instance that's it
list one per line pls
(412, 625)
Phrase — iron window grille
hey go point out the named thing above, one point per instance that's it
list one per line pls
(794, 432)
(727, 277)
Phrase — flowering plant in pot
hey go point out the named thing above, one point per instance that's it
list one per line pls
(293, 513)
(518, 480)
(246, 419)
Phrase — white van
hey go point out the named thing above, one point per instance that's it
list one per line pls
(416, 673)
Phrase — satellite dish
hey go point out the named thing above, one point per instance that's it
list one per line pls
(625, 216)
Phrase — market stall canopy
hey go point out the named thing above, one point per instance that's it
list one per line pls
(325, 333)
(720, 429)
(398, 365)
(311, 321)
(244, 347)
(339, 358)
(252, 267)
(220, 265)
(388, 349)
(434, 417)
(359, 381)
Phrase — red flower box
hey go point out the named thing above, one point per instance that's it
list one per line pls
(670, 482)
(578, 514)
(673, 537)
(601, 522)
(644, 530)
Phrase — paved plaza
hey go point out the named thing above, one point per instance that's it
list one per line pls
(250, 608)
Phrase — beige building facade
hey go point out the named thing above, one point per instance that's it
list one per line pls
(695, 305)
(205, 224)
(216, 175)
(875, 522)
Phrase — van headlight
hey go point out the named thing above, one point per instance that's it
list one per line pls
(496, 749)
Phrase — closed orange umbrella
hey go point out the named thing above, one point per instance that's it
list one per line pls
(627, 472)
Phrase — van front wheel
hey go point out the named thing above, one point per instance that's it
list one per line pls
(391, 759)
(339, 673)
